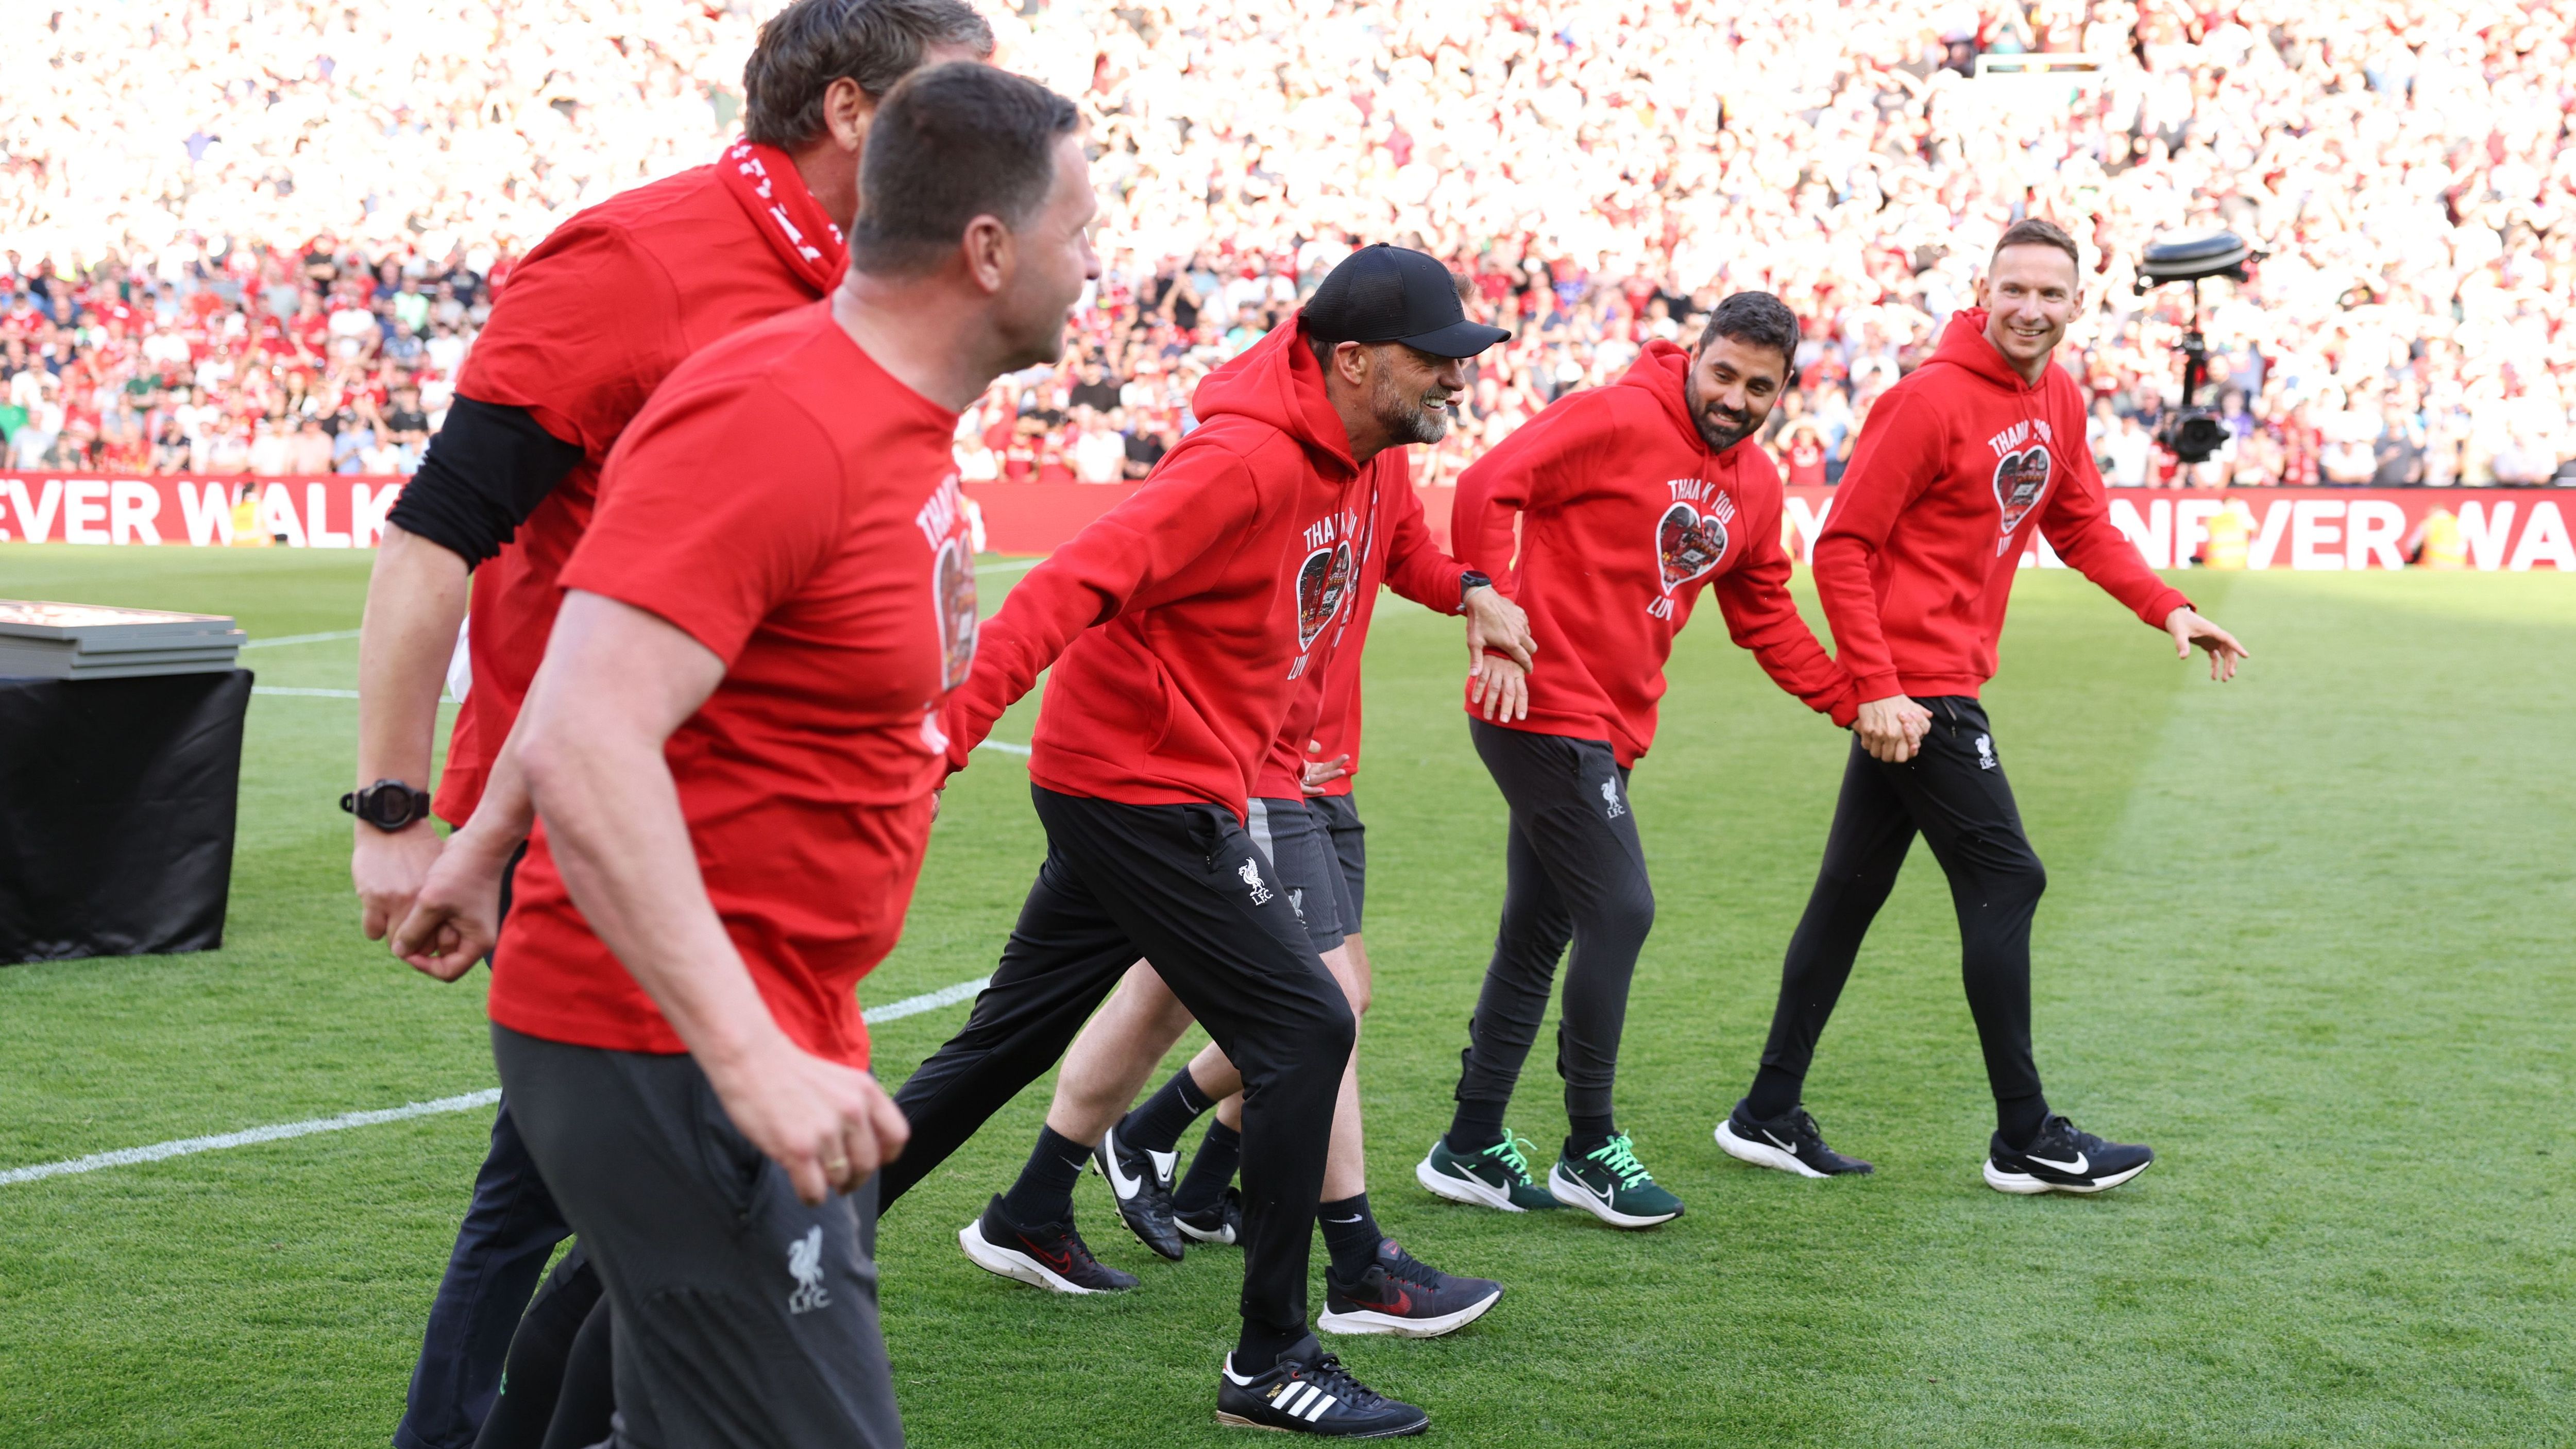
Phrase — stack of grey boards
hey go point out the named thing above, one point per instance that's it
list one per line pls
(89, 641)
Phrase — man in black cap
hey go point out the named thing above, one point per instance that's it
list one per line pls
(1302, 818)
(1180, 628)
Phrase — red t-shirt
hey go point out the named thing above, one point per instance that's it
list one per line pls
(591, 323)
(831, 572)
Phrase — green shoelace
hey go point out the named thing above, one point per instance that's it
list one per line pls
(1619, 1158)
(1508, 1153)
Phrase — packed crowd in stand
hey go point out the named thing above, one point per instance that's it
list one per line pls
(258, 237)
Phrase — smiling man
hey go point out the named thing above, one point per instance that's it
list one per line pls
(1181, 627)
(1961, 462)
(1631, 500)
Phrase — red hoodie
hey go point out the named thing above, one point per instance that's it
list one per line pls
(1625, 516)
(1396, 549)
(1180, 622)
(1957, 463)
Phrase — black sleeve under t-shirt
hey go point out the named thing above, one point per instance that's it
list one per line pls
(485, 472)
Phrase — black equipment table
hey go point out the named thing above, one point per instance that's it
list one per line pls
(117, 803)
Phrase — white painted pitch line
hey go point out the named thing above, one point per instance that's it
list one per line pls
(927, 1001)
(283, 639)
(304, 693)
(1019, 565)
(463, 1102)
(127, 1157)
(1006, 747)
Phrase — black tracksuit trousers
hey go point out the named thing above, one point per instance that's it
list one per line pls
(1573, 872)
(1183, 887)
(1954, 793)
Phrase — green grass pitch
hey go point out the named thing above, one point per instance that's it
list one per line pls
(2308, 934)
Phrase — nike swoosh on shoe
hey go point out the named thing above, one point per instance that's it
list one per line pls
(1119, 1182)
(2077, 1168)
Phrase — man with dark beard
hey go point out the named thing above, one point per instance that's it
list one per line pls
(1630, 499)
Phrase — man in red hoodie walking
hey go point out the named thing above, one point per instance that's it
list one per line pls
(1631, 500)
(1960, 462)
(1179, 626)
(1309, 835)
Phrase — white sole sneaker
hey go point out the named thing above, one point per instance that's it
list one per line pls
(1367, 1320)
(1013, 1264)
(2022, 1184)
(1463, 1189)
(1760, 1154)
(1573, 1194)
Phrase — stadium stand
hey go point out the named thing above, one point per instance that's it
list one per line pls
(257, 236)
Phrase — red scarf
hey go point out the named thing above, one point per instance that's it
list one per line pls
(774, 196)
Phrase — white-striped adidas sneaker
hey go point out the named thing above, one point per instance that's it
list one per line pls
(1309, 1392)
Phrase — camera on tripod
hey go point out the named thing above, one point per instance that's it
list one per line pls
(2193, 432)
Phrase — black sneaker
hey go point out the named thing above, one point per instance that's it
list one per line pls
(1402, 1295)
(1220, 1224)
(2062, 1159)
(1142, 1183)
(1051, 1256)
(1791, 1144)
(1309, 1392)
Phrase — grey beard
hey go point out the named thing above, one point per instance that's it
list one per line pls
(1408, 419)
(1418, 424)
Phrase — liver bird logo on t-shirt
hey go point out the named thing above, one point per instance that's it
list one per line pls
(1689, 543)
(1322, 580)
(2020, 478)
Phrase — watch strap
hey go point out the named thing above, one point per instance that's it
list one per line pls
(388, 805)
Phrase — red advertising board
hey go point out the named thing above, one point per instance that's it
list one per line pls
(2291, 528)
(334, 511)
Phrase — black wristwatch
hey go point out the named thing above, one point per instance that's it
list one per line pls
(388, 805)
(1471, 580)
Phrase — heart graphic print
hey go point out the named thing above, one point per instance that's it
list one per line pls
(1322, 580)
(1689, 543)
(2020, 479)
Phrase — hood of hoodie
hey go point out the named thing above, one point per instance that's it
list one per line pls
(1662, 371)
(1276, 382)
(1964, 344)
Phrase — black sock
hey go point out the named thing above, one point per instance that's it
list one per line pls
(1258, 1348)
(1603, 1126)
(1204, 1185)
(2019, 1120)
(1044, 1193)
(1774, 1096)
(1350, 1235)
(1476, 1126)
(1158, 1122)
(1582, 1142)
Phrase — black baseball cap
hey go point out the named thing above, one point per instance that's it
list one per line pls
(1382, 293)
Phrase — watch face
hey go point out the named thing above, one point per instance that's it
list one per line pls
(387, 807)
